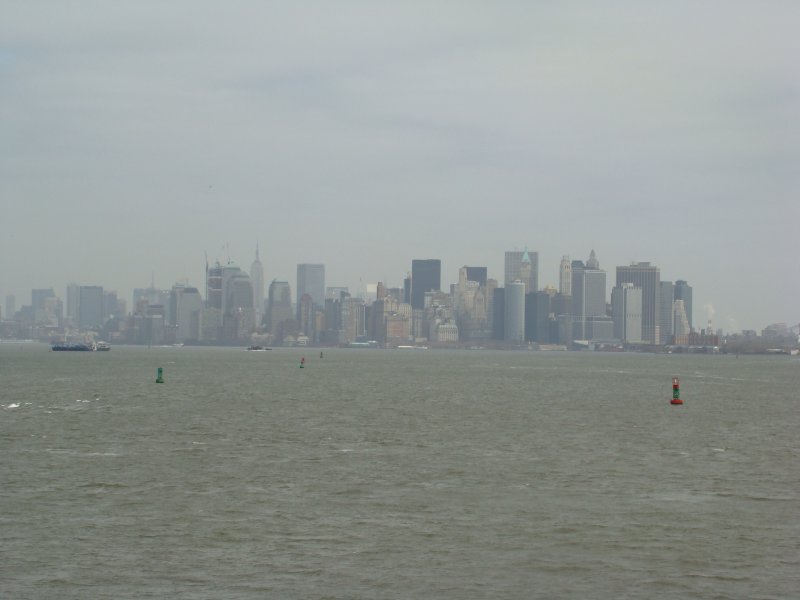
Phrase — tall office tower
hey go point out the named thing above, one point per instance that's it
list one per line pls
(407, 289)
(514, 330)
(523, 266)
(238, 316)
(478, 274)
(305, 310)
(626, 309)
(213, 286)
(565, 277)
(39, 296)
(537, 317)
(311, 281)
(90, 307)
(646, 276)
(681, 321)
(491, 286)
(41, 308)
(11, 306)
(279, 307)
(593, 263)
(110, 301)
(683, 291)
(498, 313)
(426, 276)
(73, 298)
(588, 296)
(666, 323)
(186, 308)
(257, 280)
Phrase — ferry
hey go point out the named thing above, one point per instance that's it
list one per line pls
(102, 346)
(65, 347)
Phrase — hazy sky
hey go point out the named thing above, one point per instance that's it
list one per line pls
(135, 136)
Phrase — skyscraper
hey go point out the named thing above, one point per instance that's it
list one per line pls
(565, 277)
(279, 307)
(426, 276)
(90, 307)
(514, 330)
(666, 316)
(478, 274)
(626, 308)
(311, 281)
(588, 296)
(683, 291)
(73, 298)
(648, 277)
(257, 280)
(186, 308)
(523, 266)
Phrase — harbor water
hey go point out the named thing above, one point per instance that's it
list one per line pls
(397, 474)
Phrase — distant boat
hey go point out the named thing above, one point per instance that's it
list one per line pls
(65, 347)
(102, 346)
(257, 349)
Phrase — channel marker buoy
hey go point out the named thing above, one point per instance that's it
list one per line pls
(676, 391)
(160, 377)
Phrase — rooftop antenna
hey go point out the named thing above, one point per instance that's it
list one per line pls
(228, 251)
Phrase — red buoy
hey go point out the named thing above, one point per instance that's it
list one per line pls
(676, 391)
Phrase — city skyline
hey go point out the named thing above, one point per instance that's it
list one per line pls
(132, 144)
(703, 310)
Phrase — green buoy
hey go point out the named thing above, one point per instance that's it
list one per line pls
(160, 378)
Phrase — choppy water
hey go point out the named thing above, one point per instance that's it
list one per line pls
(397, 474)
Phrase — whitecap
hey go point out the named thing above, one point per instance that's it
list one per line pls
(13, 405)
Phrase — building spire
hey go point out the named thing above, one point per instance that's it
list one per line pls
(593, 263)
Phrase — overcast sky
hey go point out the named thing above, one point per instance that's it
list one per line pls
(136, 136)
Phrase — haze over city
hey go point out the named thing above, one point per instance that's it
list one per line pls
(137, 138)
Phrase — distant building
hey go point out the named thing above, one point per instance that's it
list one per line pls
(626, 309)
(426, 276)
(514, 331)
(588, 297)
(311, 281)
(73, 298)
(238, 317)
(565, 277)
(537, 317)
(11, 306)
(647, 277)
(666, 312)
(446, 332)
(90, 307)
(523, 266)
(257, 281)
(498, 313)
(683, 291)
(186, 313)
(680, 320)
(279, 307)
(478, 274)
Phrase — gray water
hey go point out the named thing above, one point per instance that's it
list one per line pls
(397, 474)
